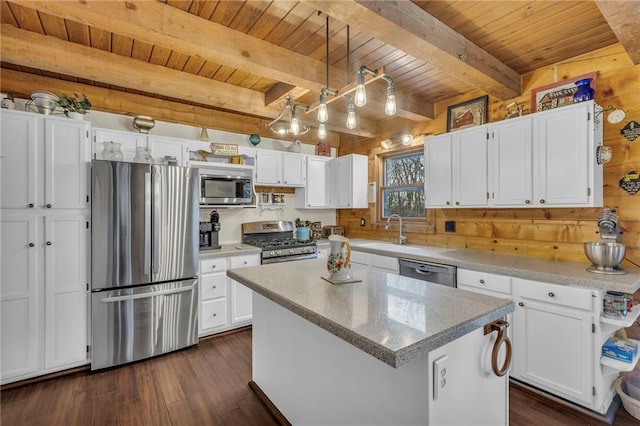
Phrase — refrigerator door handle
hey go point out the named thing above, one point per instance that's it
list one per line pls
(147, 294)
(155, 248)
(147, 223)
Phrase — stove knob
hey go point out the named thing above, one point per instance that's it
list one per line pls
(291, 251)
(278, 252)
(271, 253)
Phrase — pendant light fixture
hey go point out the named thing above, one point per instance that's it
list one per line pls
(351, 114)
(323, 113)
(280, 126)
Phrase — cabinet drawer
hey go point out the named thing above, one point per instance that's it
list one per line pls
(486, 281)
(384, 262)
(242, 261)
(359, 258)
(214, 313)
(213, 286)
(572, 297)
(216, 264)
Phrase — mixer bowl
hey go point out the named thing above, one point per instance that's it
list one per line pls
(605, 256)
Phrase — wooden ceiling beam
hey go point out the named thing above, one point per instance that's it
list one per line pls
(21, 84)
(410, 29)
(48, 53)
(623, 17)
(170, 27)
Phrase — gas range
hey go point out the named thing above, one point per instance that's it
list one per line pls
(275, 238)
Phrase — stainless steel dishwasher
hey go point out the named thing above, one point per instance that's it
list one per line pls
(431, 272)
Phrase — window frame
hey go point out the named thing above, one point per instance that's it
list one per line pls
(424, 225)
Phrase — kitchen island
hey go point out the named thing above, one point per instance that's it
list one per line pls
(385, 350)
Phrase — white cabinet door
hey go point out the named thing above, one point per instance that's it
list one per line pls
(19, 296)
(21, 156)
(293, 169)
(437, 169)
(511, 162)
(67, 158)
(469, 167)
(66, 253)
(268, 167)
(241, 296)
(561, 155)
(315, 194)
(349, 180)
(128, 141)
(168, 147)
(553, 347)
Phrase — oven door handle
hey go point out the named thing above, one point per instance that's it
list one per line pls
(147, 294)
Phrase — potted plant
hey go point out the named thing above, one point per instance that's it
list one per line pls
(74, 106)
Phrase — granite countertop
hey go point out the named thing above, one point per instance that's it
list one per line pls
(393, 318)
(227, 250)
(550, 271)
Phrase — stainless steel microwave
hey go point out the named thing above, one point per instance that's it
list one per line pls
(226, 186)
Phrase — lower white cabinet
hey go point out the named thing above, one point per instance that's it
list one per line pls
(224, 303)
(44, 297)
(375, 261)
(554, 342)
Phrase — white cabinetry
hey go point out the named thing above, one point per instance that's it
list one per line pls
(545, 159)
(554, 339)
(315, 194)
(565, 169)
(241, 296)
(224, 303)
(335, 183)
(44, 243)
(511, 162)
(280, 168)
(375, 261)
(159, 146)
(456, 169)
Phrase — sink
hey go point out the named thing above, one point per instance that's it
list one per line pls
(397, 248)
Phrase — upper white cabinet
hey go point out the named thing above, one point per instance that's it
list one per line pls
(159, 146)
(334, 183)
(44, 161)
(456, 169)
(511, 162)
(316, 192)
(545, 159)
(565, 169)
(280, 168)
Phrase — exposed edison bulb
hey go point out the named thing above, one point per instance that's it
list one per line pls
(295, 123)
(360, 98)
(322, 131)
(323, 114)
(351, 116)
(390, 105)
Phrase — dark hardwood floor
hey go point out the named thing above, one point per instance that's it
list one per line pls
(203, 385)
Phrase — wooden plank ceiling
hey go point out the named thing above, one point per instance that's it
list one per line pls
(244, 56)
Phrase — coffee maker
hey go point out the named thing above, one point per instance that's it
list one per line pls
(209, 232)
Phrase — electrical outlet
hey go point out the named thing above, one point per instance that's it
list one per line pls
(450, 226)
(362, 222)
(439, 375)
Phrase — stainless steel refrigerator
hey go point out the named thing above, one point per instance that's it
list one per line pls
(144, 254)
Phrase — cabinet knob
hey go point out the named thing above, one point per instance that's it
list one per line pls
(48, 206)
(215, 315)
(213, 267)
(520, 304)
(49, 243)
(30, 205)
(285, 181)
(542, 201)
(552, 294)
(448, 203)
(457, 203)
(481, 281)
(213, 287)
(527, 201)
(31, 245)
(245, 262)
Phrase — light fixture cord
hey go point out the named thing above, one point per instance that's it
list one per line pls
(348, 55)
(327, 53)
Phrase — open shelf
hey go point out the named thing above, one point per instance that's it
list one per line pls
(625, 322)
(620, 365)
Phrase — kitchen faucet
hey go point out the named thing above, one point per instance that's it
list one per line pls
(401, 238)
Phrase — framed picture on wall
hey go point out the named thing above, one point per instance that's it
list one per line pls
(467, 114)
(559, 94)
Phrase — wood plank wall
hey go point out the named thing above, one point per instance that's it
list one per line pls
(544, 233)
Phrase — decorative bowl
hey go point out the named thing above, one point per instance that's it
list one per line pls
(45, 102)
(605, 256)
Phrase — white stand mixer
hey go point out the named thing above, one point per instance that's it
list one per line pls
(606, 254)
